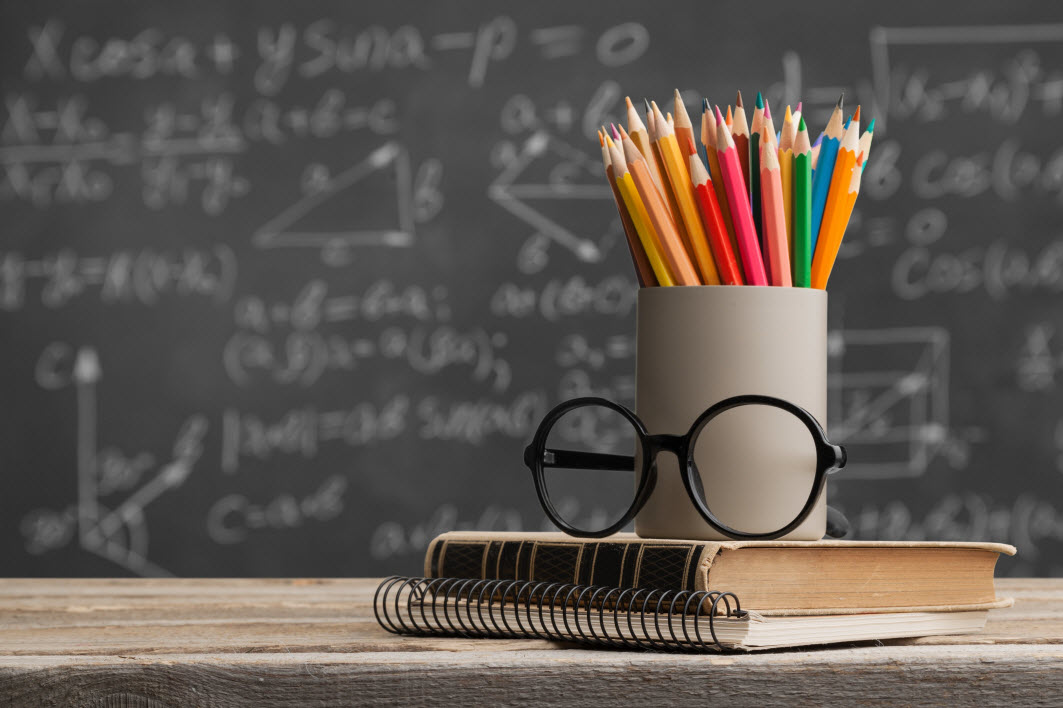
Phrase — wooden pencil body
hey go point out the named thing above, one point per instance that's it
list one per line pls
(679, 179)
(648, 236)
(672, 246)
(774, 220)
(738, 197)
(643, 268)
(802, 220)
(786, 177)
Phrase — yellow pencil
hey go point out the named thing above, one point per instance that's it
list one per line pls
(648, 236)
(673, 250)
(786, 175)
(678, 175)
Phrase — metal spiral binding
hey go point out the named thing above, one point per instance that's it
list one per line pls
(630, 618)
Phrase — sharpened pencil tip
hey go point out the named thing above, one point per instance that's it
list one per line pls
(871, 126)
(705, 105)
(841, 99)
(627, 101)
(799, 105)
(616, 133)
(647, 102)
(760, 100)
(719, 115)
(767, 111)
(738, 100)
(801, 124)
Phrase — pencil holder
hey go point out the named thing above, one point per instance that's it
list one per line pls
(756, 464)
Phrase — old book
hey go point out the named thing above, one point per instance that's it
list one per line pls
(840, 577)
(677, 620)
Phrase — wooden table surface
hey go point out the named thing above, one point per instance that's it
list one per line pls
(315, 642)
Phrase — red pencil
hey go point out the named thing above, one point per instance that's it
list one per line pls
(738, 198)
(740, 137)
(715, 227)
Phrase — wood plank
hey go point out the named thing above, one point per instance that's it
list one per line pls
(131, 642)
(960, 676)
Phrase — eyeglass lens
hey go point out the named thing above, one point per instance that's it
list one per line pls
(759, 451)
(593, 492)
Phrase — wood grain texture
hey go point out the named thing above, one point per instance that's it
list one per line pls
(298, 642)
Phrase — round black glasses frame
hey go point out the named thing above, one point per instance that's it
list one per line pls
(830, 458)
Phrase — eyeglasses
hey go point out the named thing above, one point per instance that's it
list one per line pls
(595, 465)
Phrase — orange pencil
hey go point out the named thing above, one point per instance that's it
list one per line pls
(678, 177)
(740, 136)
(643, 268)
(708, 139)
(641, 138)
(714, 224)
(831, 228)
(649, 240)
(672, 248)
(829, 256)
(774, 213)
(658, 159)
(684, 129)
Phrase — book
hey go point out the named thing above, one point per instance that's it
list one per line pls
(680, 620)
(830, 577)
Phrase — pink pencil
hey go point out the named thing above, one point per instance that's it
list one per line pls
(773, 213)
(738, 199)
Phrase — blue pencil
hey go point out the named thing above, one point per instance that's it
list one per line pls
(828, 153)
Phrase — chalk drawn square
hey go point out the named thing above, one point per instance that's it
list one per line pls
(889, 399)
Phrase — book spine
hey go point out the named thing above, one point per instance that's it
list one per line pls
(627, 565)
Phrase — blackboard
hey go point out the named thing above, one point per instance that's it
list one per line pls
(285, 287)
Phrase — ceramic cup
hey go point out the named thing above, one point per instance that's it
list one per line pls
(699, 345)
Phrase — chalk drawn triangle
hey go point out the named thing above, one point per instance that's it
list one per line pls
(316, 220)
(549, 170)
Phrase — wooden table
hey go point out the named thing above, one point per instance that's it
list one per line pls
(315, 642)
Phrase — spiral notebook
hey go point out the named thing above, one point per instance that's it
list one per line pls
(668, 620)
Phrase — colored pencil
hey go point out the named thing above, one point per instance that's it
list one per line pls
(786, 175)
(827, 257)
(865, 143)
(665, 188)
(715, 227)
(678, 176)
(643, 268)
(740, 137)
(767, 132)
(649, 240)
(637, 129)
(832, 229)
(755, 139)
(684, 129)
(738, 198)
(708, 139)
(802, 261)
(672, 248)
(774, 213)
(825, 169)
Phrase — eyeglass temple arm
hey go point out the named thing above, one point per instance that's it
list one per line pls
(572, 459)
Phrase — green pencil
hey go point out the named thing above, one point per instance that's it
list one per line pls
(802, 264)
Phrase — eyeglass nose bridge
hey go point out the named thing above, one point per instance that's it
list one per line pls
(675, 444)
